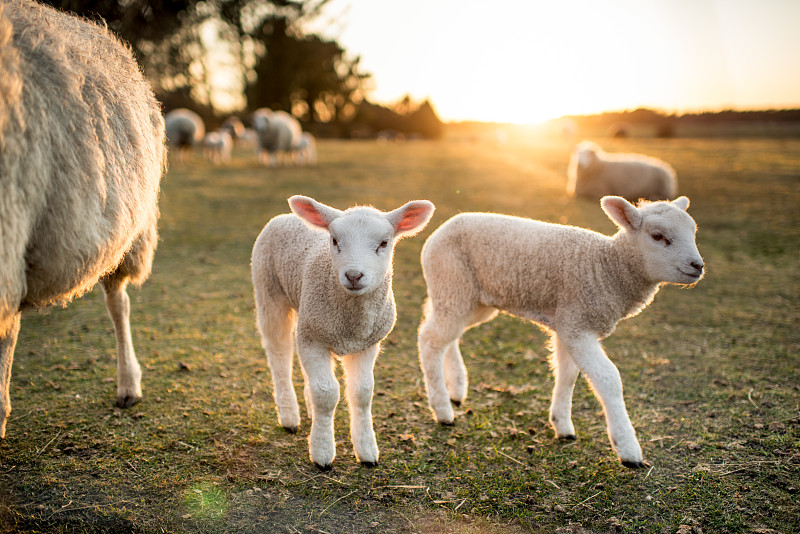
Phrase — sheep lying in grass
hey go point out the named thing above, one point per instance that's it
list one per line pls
(593, 173)
(279, 135)
(327, 275)
(576, 283)
(185, 129)
(81, 156)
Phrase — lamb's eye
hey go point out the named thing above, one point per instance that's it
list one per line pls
(383, 244)
(334, 242)
(658, 236)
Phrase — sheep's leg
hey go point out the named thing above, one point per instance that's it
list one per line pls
(276, 322)
(435, 336)
(455, 374)
(129, 374)
(8, 341)
(603, 376)
(565, 372)
(318, 364)
(359, 384)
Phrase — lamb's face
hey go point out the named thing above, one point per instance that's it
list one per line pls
(667, 241)
(362, 245)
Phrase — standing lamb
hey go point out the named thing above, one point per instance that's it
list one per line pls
(593, 173)
(185, 129)
(81, 156)
(279, 135)
(307, 150)
(576, 283)
(326, 275)
(217, 146)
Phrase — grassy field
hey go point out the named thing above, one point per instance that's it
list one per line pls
(711, 374)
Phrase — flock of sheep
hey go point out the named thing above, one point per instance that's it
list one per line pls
(82, 151)
(277, 136)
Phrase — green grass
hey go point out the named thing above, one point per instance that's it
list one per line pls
(711, 373)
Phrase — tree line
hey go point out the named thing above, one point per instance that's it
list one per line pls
(269, 55)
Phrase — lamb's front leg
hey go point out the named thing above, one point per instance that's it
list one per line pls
(129, 374)
(359, 385)
(318, 365)
(603, 376)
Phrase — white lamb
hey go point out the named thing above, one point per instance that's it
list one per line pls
(576, 283)
(307, 150)
(218, 146)
(326, 275)
(81, 156)
(279, 135)
(185, 129)
(593, 173)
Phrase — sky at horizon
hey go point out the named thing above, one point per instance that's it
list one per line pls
(527, 61)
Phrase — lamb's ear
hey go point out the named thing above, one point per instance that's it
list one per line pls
(623, 213)
(410, 218)
(312, 212)
(681, 202)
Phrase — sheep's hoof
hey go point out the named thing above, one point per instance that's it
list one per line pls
(290, 429)
(324, 468)
(569, 437)
(127, 401)
(456, 403)
(370, 464)
(635, 465)
(447, 423)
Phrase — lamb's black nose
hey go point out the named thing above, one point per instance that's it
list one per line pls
(697, 265)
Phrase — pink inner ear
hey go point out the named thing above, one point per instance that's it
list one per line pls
(412, 218)
(308, 212)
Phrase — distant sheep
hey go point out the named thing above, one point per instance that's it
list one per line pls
(217, 146)
(185, 129)
(325, 276)
(81, 156)
(234, 126)
(279, 135)
(594, 173)
(576, 283)
(307, 150)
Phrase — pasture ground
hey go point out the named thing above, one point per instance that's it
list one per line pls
(711, 374)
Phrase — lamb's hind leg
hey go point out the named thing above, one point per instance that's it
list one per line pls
(436, 336)
(565, 372)
(603, 376)
(8, 339)
(129, 374)
(276, 323)
(455, 372)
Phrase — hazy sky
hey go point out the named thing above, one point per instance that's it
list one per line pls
(529, 60)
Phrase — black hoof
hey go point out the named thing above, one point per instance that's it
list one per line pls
(635, 465)
(290, 429)
(324, 468)
(370, 464)
(456, 403)
(446, 423)
(127, 401)
(571, 437)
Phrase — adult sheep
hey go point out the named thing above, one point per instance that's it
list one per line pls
(81, 156)
(279, 135)
(185, 129)
(593, 173)
(576, 283)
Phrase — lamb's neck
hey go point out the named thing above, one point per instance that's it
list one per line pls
(624, 262)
